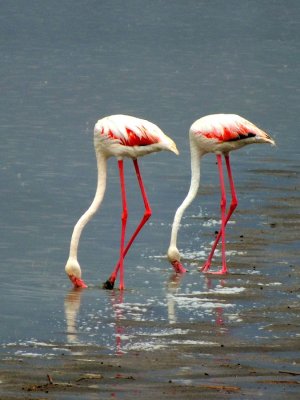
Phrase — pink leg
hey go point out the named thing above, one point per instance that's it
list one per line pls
(124, 221)
(233, 205)
(223, 214)
(109, 284)
(225, 219)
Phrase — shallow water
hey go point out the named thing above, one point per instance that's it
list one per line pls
(63, 69)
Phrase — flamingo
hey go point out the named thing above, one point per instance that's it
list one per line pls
(120, 136)
(219, 134)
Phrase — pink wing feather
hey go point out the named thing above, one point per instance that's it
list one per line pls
(134, 138)
(227, 128)
(129, 131)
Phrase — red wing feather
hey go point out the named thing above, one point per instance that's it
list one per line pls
(133, 138)
(226, 134)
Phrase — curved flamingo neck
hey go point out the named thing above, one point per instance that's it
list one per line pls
(194, 186)
(90, 212)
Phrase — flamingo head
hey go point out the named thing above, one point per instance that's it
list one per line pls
(73, 271)
(174, 258)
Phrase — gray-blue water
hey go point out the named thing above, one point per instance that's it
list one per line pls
(66, 64)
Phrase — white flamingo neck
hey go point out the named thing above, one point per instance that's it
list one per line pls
(90, 212)
(173, 253)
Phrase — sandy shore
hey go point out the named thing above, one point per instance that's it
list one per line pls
(225, 372)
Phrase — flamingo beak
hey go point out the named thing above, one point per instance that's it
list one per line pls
(77, 282)
(174, 149)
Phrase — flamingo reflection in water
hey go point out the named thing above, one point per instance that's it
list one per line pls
(175, 299)
(72, 305)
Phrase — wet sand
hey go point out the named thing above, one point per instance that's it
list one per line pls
(188, 372)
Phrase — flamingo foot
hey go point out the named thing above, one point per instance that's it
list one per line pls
(178, 267)
(109, 284)
(77, 282)
(221, 272)
(205, 267)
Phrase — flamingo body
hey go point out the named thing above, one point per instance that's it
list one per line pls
(219, 134)
(222, 133)
(121, 136)
(126, 136)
